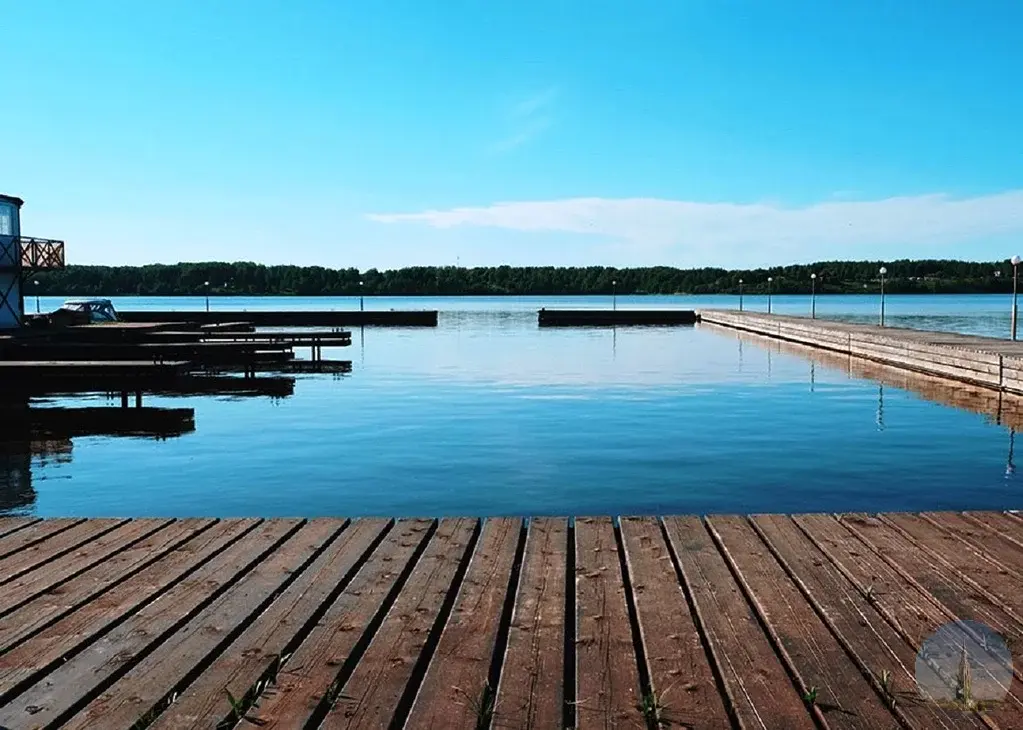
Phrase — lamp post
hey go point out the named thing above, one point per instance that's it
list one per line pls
(740, 295)
(882, 271)
(813, 296)
(362, 298)
(207, 285)
(36, 285)
(769, 280)
(1015, 293)
(614, 295)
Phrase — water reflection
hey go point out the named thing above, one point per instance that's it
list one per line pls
(40, 432)
(1010, 467)
(1000, 408)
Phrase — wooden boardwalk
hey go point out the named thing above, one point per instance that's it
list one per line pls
(773, 621)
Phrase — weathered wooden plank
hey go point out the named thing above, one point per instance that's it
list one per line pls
(455, 692)
(57, 602)
(929, 573)
(973, 565)
(68, 635)
(764, 698)
(531, 692)
(371, 695)
(167, 665)
(310, 675)
(1007, 527)
(17, 540)
(51, 699)
(252, 656)
(880, 651)
(607, 677)
(9, 525)
(49, 576)
(911, 610)
(56, 546)
(681, 678)
(992, 545)
(845, 698)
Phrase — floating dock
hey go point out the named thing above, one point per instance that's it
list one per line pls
(614, 317)
(773, 621)
(985, 361)
(326, 318)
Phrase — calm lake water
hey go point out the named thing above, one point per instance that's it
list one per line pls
(489, 415)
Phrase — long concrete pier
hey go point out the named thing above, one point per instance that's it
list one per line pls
(985, 361)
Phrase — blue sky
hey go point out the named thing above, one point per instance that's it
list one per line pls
(685, 133)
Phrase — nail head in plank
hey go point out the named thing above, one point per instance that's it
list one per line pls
(681, 676)
(764, 698)
(371, 695)
(531, 693)
(117, 651)
(864, 631)
(32, 534)
(252, 655)
(9, 525)
(455, 686)
(844, 696)
(47, 577)
(608, 692)
(311, 672)
(168, 664)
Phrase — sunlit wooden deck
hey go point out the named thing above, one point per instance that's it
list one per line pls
(766, 622)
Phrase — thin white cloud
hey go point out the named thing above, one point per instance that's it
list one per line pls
(703, 228)
(527, 119)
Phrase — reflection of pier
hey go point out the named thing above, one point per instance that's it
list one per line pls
(45, 434)
(1001, 408)
(42, 433)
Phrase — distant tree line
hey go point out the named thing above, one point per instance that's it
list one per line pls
(243, 278)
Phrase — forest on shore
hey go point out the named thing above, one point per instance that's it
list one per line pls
(245, 278)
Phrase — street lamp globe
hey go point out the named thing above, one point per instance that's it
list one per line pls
(740, 281)
(770, 278)
(813, 276)
(883, 271)
(1016, 260)
(206, 283)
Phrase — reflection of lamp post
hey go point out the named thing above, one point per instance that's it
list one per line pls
(614, 295)
(362, 298)
(1010, 468)
(36, 285)
(1015, 292)
(740, 295)
(207, 285)
(813, 296)
(882, 271)
(880, 407)
(769, 280)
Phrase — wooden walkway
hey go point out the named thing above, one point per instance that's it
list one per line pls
(809, 621)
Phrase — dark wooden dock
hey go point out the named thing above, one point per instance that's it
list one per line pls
(774, 621)
(614, 317)
(293, 318)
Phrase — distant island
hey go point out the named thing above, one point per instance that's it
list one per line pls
(242, 278)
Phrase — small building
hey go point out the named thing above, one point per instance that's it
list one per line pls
(20, 257)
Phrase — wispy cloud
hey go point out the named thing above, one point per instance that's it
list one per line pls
(705, 230)
(527, 119)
